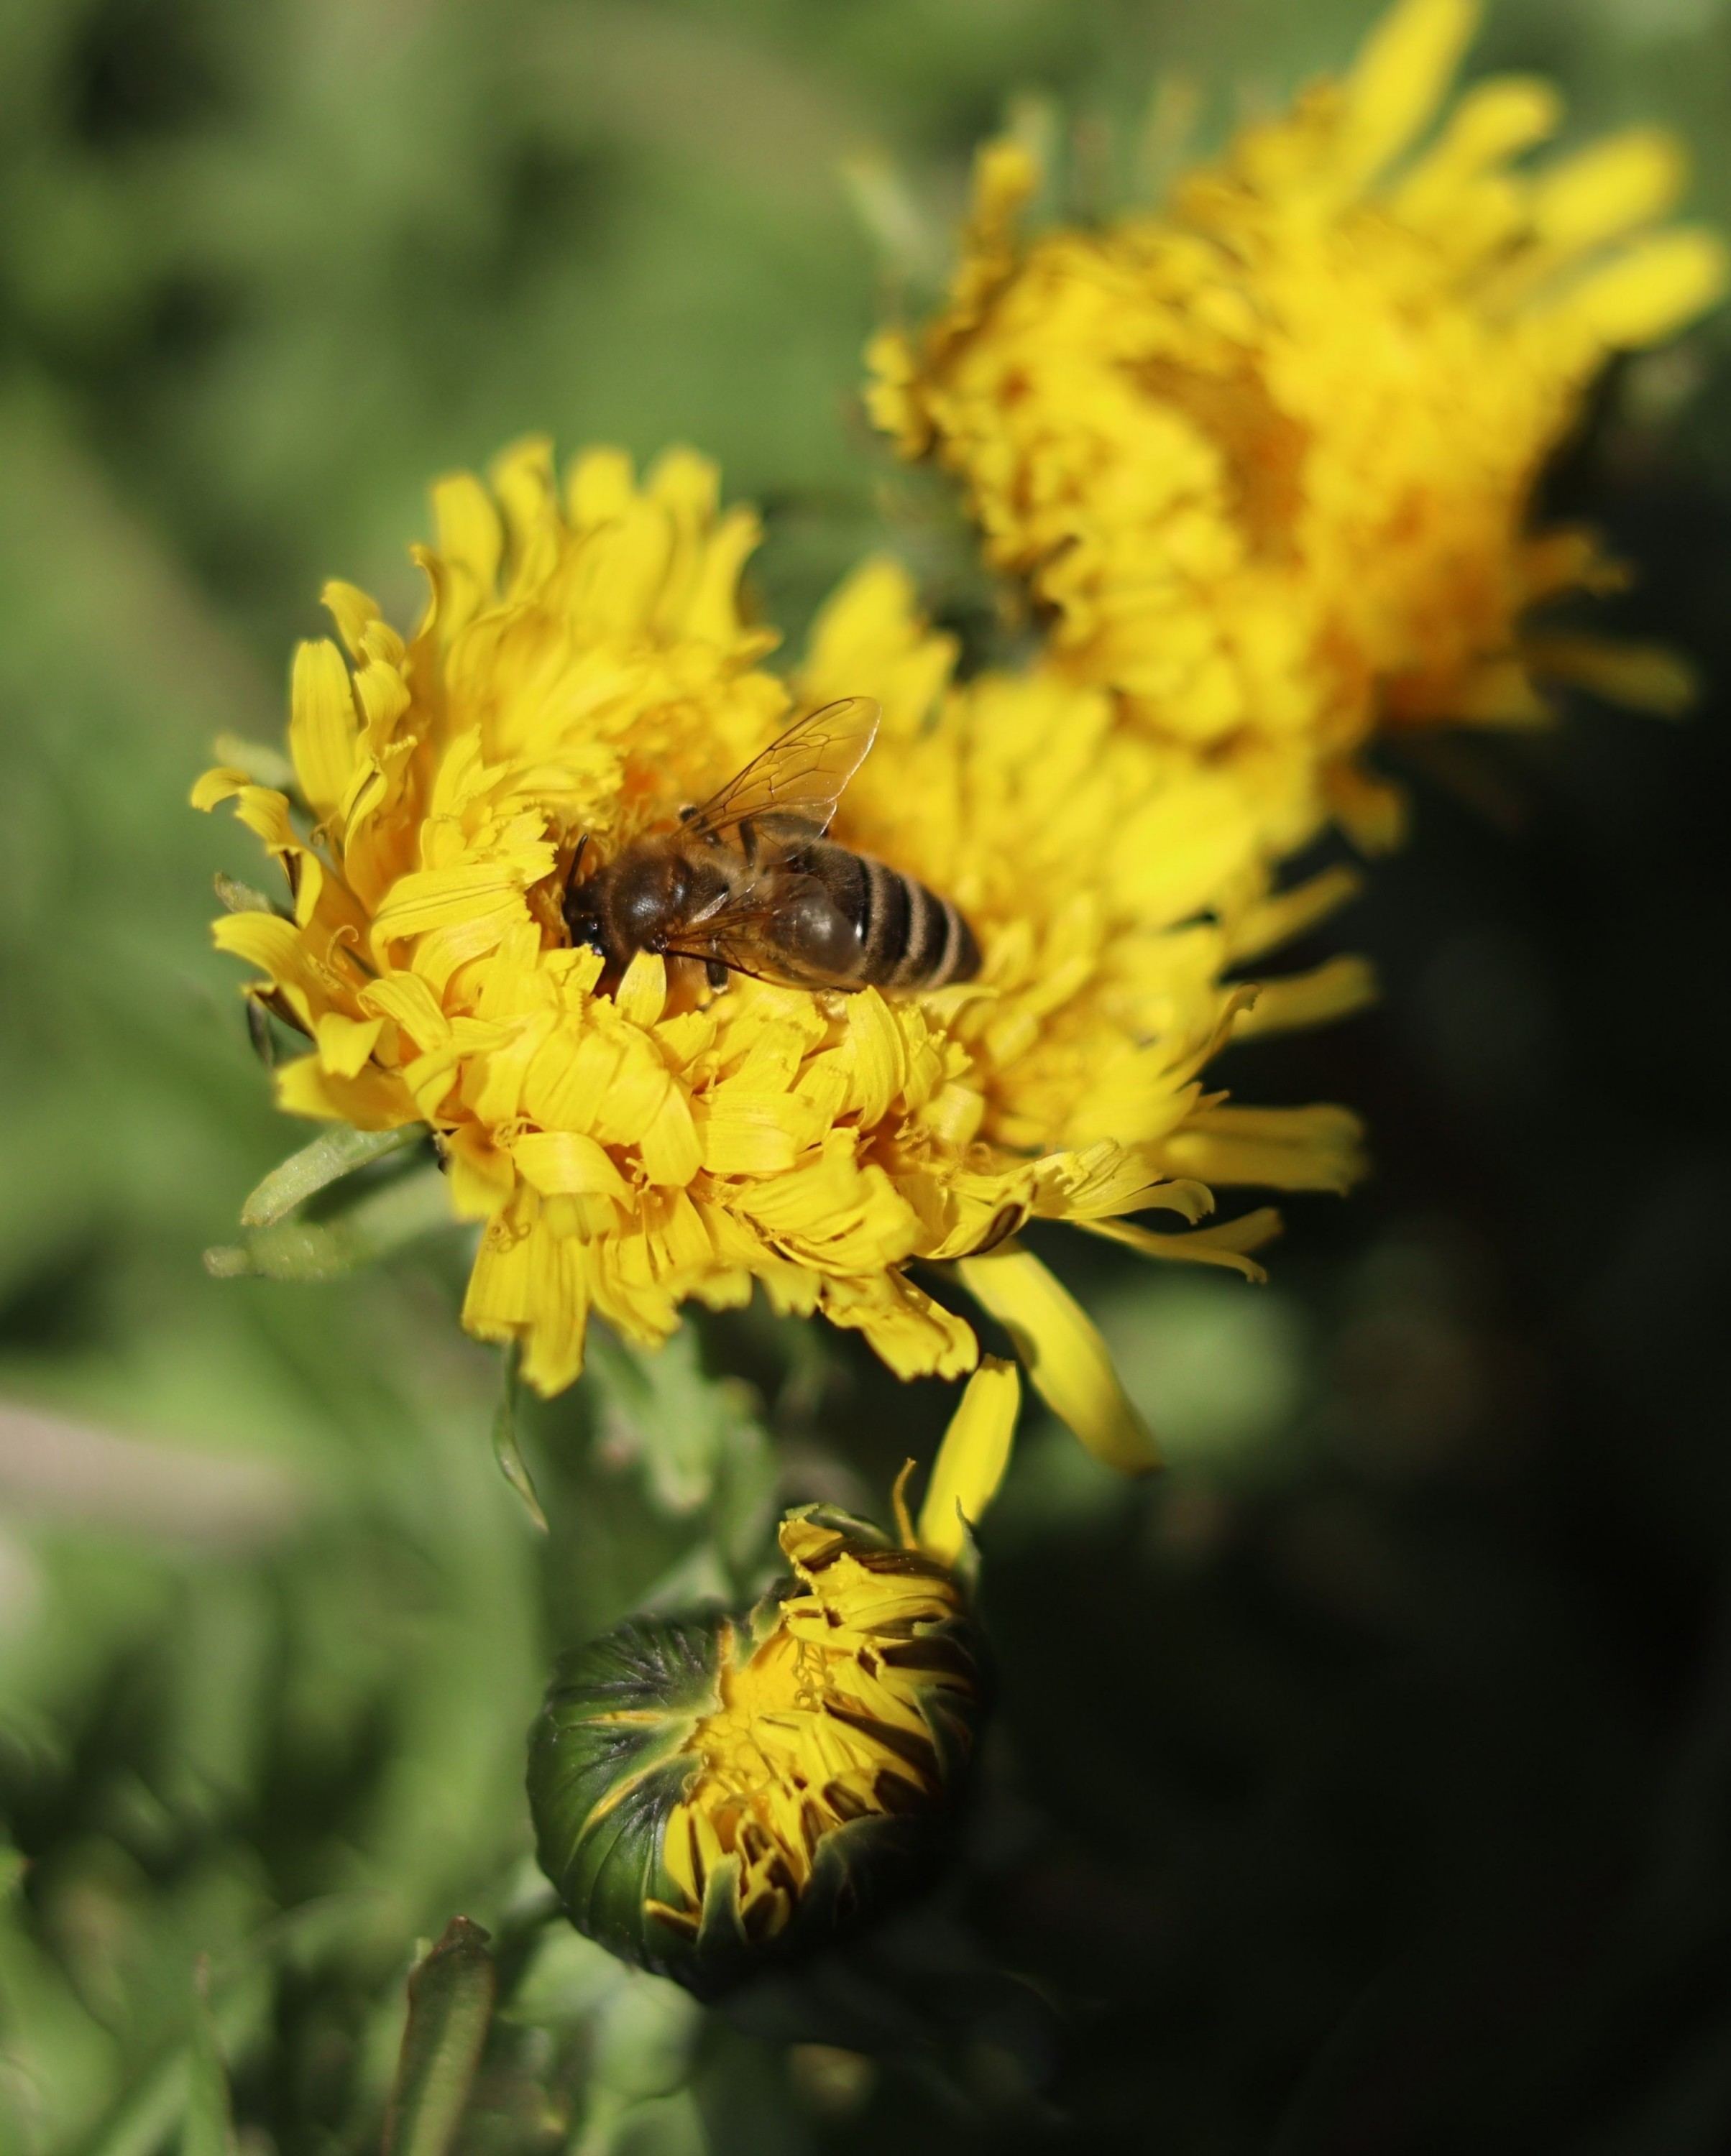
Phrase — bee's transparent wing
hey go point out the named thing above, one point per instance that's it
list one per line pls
(747, 934)
(793, 786)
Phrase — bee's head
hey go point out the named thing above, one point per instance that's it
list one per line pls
(581, 911)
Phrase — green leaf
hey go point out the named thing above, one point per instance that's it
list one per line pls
(207, 2128)
(333, 1154)
(320, 1250)
(450, 2003)
(506, 1448)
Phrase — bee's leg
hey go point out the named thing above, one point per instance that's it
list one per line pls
(716, 974)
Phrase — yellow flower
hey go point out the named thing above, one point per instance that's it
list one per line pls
(712, 1789)
(1268, 457)
(583, 667)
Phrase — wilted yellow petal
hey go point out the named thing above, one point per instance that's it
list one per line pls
(1065, 1356)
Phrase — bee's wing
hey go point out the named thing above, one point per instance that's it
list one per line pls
(741, 935)
(797, 780)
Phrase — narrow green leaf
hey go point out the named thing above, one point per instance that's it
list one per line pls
(450, 2003)
(332, 1154)
(382, 1223)
(155, 2103)
(506, 1448)
(208, 2129)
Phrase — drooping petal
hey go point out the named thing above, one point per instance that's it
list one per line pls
(1065, 1356)
(971, 1461)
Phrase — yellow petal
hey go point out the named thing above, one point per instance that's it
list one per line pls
(1609, 188)
(353, 612)
(1327, 992)
(322, 726)
(1314, 1148)
(643, 993)
(219, 785)
(1228, 1243)
(1398, 81)
(371, 1100)
(1652, 289)
(345, 1042)
(564, 1163)
(1065, 1355)
(971, 1460)
(1645, 676)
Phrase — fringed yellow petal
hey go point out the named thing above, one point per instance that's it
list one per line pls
(970, 1460)
(1327, 992)
(1065, 1356)
(1315, 1148)
(1228, 1243)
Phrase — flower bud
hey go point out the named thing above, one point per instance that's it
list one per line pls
(714, 1790)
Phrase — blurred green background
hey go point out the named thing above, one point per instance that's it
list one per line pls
(1364, 1784)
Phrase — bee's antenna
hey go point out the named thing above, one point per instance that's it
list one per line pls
(576, 859)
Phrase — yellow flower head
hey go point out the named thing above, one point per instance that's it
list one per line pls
(583, 670)
(712, 1789)
(1268, 456)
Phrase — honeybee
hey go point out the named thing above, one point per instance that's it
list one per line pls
(749, 883)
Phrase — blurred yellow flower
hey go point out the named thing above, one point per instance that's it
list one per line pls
(583, 669)
(1268, 456)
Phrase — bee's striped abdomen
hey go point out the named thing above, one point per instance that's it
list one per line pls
(909, 937)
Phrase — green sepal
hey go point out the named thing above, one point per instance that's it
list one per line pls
(382, 1222)
(601, 1789)
(506, 1450)
(333, 1153)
